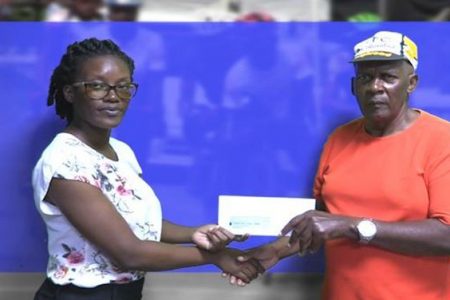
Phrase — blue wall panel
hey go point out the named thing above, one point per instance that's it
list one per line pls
(221, 109)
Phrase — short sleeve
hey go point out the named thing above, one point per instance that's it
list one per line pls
(323, 163)
(74, 167)
(63, 161)
(336, 141)
(438, 184)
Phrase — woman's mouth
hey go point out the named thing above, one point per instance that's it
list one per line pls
(111, 112)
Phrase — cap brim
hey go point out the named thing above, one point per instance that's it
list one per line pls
(378, 58)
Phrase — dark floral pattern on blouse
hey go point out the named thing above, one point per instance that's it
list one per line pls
(72, 255)
(102, 180)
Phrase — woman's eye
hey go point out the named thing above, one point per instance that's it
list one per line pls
(97, 86)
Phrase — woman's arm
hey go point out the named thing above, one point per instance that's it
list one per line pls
(209, 237)
(267, 255)
(98, 221)
(176, 234)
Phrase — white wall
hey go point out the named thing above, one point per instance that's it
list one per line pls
(217, 10)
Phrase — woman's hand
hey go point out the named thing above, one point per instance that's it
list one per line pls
(266, 255)
(214, 238)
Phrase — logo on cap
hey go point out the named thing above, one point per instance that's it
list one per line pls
(387, 45)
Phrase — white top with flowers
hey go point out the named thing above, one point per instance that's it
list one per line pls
(72, 258)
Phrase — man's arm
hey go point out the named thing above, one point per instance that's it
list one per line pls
(428, 237)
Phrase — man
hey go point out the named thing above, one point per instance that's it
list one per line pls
(382, 186)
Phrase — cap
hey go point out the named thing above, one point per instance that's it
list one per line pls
(387, 45)
(124, 2)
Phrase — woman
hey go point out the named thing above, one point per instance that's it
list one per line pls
(104, 222)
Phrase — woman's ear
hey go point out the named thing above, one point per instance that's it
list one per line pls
(68, 93)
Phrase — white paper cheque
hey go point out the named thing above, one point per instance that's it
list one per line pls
(260, 215)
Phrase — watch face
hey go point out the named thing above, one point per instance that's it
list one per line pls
(367, 229)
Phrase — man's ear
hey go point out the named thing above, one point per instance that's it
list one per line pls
(352, 85)
(68, 93)
(413, 80)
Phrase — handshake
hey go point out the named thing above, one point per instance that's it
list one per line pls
(309, 231)
(240, 267)
(243, 214)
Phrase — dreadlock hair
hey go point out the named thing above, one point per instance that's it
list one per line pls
(64, 74)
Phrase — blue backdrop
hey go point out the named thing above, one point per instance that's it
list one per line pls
(221, 109)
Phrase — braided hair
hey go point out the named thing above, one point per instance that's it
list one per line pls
(67, 69)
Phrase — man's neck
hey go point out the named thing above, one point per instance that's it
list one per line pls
(400, 123)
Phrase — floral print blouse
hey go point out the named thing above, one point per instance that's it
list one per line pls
(72, 258)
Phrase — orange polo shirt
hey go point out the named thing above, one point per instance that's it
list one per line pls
(401, 177)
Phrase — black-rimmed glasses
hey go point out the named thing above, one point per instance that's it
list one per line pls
(98, 90)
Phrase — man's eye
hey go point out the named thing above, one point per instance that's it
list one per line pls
(363, 78)
(389, 77)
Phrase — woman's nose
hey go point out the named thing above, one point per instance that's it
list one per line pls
(112, 95)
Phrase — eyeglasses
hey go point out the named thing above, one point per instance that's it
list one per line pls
(98, 90)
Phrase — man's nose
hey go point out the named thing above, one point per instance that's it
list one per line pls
(376, 85)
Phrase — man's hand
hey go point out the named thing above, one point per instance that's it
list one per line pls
(313, 228)
(214, 238)
(242, 272)
(266, 255)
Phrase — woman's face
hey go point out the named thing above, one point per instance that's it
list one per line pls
(105, 112)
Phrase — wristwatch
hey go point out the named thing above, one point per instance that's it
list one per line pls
(366, 230)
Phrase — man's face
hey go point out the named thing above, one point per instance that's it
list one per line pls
(382, 89)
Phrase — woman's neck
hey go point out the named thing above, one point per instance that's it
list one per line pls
(95, 138)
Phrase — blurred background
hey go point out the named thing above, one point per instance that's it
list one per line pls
(224, 10)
